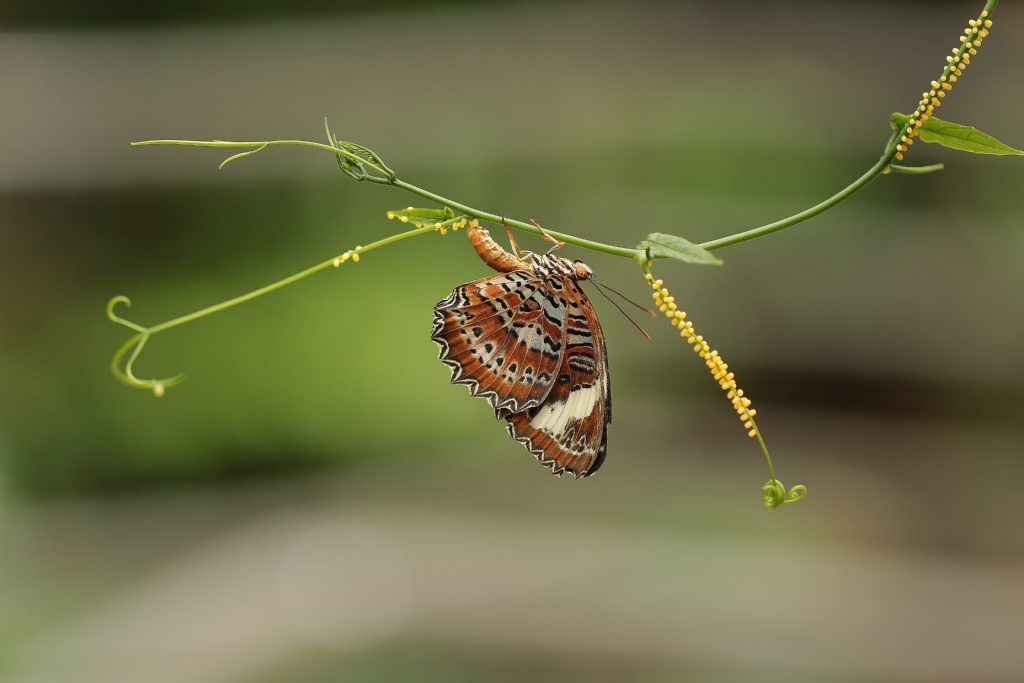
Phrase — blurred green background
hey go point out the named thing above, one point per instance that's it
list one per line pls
(317, 503)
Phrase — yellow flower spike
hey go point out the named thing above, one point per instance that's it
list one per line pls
(773, 494)
(956, 62)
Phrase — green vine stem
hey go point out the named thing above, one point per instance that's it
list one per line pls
(880, 166)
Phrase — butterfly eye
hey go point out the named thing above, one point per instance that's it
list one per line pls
(583, 271)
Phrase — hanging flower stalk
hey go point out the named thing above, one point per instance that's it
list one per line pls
(773, 494)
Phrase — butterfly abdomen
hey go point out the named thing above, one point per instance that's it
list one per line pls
(491, 252)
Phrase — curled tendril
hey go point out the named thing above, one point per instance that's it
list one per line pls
(773, 494)
(240, 155)
(135, 344)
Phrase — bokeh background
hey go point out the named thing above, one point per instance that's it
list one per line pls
(317, 503)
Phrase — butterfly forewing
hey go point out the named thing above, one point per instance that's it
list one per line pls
(502, 337)
(568, 432)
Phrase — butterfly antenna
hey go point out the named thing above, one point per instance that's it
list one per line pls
(642, 330)
(625, 298)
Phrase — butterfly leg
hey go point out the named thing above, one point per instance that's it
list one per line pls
(511, 239)
(548, 238)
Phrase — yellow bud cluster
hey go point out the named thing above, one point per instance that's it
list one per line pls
(351, 254)
(443, 228)
(973, 36)
(719, 368)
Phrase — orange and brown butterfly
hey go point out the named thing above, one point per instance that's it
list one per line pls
(527, 340)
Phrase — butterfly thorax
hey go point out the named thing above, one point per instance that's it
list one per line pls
(548, 265)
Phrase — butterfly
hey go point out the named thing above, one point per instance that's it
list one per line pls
(528, 341)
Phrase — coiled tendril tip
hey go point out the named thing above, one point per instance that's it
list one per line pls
(135, 344)
(774, 494)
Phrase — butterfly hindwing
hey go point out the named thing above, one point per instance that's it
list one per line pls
(568, 431)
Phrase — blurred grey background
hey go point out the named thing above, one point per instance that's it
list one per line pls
(317, 503)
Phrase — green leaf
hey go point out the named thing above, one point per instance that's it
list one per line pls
(955, 136)
(660, 245)
(421, 217)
